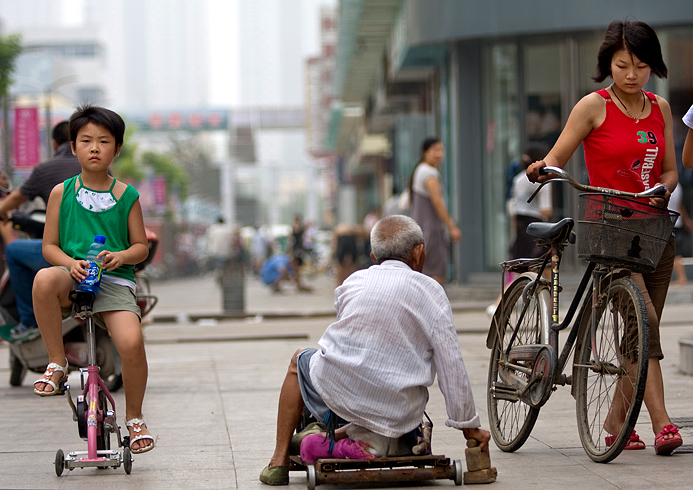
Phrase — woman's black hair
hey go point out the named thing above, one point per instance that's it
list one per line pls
(427, 143)
(635, 37)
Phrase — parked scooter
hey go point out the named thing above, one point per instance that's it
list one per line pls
(31, 355)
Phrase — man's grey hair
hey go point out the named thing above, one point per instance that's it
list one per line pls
(395, 237)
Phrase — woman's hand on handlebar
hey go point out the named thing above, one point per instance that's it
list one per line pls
(661, 201)
(535, 174)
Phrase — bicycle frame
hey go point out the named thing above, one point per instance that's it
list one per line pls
(590, 279)
(100, 420)
(93, 386)
(554, 256)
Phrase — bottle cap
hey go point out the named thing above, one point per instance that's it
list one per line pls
(99, 239)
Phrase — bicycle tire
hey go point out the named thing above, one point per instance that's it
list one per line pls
(622, 321)
(511, 422)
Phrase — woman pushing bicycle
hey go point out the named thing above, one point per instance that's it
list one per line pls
(94, 203)
(627, 135)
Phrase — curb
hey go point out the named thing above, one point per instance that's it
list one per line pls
(286, 314)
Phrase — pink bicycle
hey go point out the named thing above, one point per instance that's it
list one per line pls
(94, 411)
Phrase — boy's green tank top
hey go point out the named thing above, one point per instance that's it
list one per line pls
(79, 226)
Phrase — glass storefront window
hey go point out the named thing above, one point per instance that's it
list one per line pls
(529, 89)
(543, 94)
(502, 138)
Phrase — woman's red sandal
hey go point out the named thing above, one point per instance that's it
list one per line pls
(665, 445)
(634, 442)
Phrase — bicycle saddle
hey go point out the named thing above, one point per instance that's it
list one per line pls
(83, 300)
(551, 231)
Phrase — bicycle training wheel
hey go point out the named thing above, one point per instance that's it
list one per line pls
(610, 367)
(511, 419)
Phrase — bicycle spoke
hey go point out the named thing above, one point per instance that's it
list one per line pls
(518, 324)
(610, 368)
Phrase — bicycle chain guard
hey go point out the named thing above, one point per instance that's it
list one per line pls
(539, 387)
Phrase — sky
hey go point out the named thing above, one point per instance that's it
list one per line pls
(223, 43)
(224, 86)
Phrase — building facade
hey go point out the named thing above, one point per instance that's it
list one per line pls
(489, 78)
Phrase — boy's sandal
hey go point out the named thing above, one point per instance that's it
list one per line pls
(137, 425)
(46, 379)
(665, 445)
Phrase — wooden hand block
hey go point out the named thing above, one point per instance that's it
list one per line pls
(481, 476)
(477, 459)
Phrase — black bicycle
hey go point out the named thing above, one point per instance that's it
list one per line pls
(618, 234)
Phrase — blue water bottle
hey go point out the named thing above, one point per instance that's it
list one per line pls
(93, 279)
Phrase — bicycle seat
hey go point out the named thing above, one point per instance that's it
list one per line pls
(551, 231)
(83, 300)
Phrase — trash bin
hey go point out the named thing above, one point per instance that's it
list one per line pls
(233, 286)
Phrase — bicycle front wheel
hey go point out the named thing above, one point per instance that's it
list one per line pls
(511, 420)
(610, 367)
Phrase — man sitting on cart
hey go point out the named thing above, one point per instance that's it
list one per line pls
(394, 332)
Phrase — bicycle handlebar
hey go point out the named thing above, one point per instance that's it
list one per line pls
(659, 190)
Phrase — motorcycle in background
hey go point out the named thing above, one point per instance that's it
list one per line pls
(31, 355)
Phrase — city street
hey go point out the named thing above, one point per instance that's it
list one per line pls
(214, 384)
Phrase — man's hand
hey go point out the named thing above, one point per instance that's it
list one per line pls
(481, 435)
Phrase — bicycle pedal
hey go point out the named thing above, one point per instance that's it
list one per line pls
(62, 389)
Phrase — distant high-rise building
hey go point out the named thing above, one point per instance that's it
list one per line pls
(157, 52)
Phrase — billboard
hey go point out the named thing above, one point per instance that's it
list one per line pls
(27, 141)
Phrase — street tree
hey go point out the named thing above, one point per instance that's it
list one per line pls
(10, 48)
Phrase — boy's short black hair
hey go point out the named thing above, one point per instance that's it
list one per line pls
(100, 116)
(635, 37)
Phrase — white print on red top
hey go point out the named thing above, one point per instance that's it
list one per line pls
(651, 155)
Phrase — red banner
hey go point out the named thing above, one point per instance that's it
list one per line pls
(26, 137)
(160, 191)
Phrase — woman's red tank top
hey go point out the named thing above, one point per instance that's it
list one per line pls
(625, 153)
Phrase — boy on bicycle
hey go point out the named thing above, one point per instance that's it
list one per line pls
(94, 203)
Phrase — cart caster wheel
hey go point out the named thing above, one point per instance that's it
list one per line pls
(127, 460)
(459, 472)
(59, 462)
(312, 477)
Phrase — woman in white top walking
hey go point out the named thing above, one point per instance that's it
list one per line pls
(429, 210)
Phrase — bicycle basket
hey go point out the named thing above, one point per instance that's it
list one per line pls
(622, 232)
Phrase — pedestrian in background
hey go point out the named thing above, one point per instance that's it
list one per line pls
(297, 231)
(521, 212)
(345, 250)
(628, 138)
(682, 235)
(219, 243)
(259, 249)
(429, 210)
(369, 222)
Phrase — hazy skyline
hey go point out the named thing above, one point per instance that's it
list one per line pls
(223, 80)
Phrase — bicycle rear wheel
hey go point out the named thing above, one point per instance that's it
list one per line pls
(511, 420)
(610, 367)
